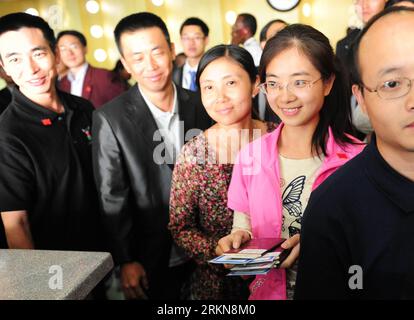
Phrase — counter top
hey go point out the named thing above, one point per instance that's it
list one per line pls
(51, 275)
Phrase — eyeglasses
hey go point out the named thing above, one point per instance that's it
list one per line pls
(188, 39)
(392, 89)
(72, 46)
(294, 86)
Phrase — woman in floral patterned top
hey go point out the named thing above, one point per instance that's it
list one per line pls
(199, 216)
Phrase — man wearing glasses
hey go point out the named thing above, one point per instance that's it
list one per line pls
(194, 39)
(357, 234)
(97, 85)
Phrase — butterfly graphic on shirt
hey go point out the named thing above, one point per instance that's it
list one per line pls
(292, 204)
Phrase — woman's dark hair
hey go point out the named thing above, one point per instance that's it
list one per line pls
(236, 53)
(336, 109)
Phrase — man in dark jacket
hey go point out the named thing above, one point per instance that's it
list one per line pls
(136, 139)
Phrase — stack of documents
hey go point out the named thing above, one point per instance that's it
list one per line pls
(249, 266)
(255, 257)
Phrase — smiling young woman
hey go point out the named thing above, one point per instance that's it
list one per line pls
(305, 88)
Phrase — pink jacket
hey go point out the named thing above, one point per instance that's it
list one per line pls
(255, 190)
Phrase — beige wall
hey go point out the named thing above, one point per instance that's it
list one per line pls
(330, 16)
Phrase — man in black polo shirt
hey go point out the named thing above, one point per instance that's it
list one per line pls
(47, 194)
(5, 93)
(358, 231)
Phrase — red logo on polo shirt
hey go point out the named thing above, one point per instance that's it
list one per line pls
(47, 122)
(342, 155)
(88, 89)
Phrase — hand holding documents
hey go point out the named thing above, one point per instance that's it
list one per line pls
(256, 256)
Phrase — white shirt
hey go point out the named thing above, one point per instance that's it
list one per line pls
(254, 49)
(168, 124)
(187, 76)
(76, 81)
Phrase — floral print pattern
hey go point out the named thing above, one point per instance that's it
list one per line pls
(199, 217)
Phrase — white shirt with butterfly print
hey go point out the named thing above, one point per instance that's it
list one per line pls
(296, 181)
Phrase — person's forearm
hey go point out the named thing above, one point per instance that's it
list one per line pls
(19, 238)
(241, 221)
(196, 243)
(18, 233)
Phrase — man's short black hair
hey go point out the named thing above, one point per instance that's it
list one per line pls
(193, 21)
(18, 20)
(356, 70)
(74, 33)
(249, 21)
(138, 21)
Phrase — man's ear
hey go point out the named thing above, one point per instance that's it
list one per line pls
(57, 56)
(357, 91)
(172, 46)
(4, 69)
(125, 65)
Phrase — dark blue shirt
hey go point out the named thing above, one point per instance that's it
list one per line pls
(363, 215)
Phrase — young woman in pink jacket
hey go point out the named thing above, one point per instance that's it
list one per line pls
(274, 176)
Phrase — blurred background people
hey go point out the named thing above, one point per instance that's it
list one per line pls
(365, 9)
(270, 29)
(83, 80)
(194, 39)
(179, 60)
(121, 75)
(261, 106)
(62, 70)
(242, 33)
